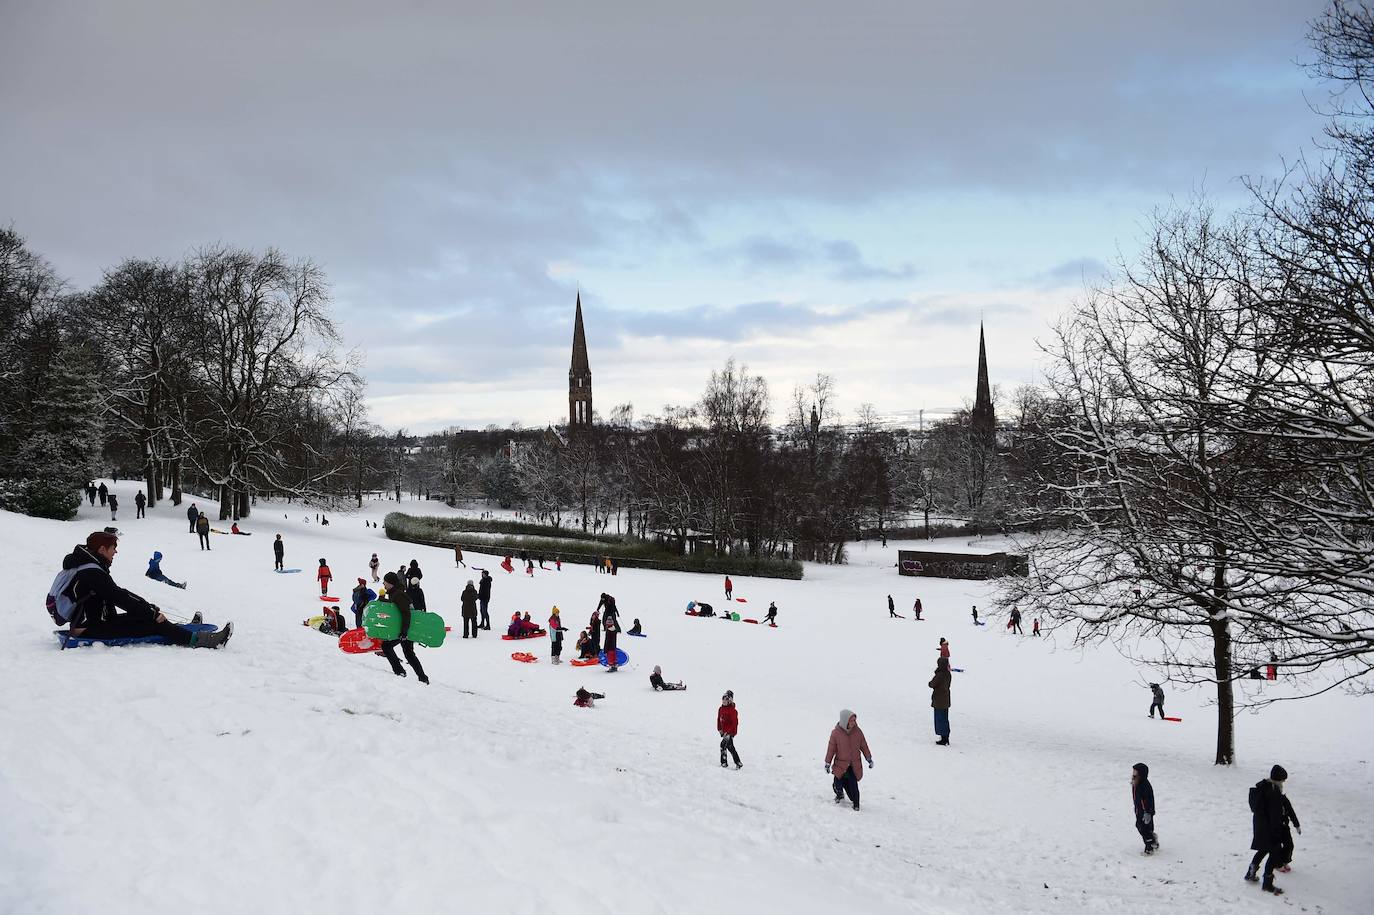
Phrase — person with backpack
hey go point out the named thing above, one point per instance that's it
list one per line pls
(847, 744)
(279, 555)
(114, 506)
(1157, 695)
(1143, 802)
(468, 600)
(203, 531)
(324, 577)
(192, 515)
(659, 684)
(483, 599)
(939, 698)
(85, 599)
(395, 592)
(140, 503)
(1271, 836)
(155, 572)
(362, 596)
(727, 725)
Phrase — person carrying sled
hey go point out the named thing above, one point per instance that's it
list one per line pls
(468, 600)
(395, 592)
(939, 698)
(279, 555)
(1271, 835)
(203, 531)
(324, 576)
(1143, 801)
(1015, 622)
(727, 725)
(1157, 694)
(847, 744)
(587, 699)
(362, 596)
(556, 631)
(484, 598)
(658, 683)
(85, 599)
(155, 572)
(772, 616)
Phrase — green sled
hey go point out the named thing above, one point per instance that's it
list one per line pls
(381, 621)
(735, 617)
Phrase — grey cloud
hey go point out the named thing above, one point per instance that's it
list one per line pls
(1077, 272)
(840, 259)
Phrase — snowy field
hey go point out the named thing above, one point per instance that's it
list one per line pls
(281, 775)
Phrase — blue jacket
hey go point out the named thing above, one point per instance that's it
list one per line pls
(155, 566)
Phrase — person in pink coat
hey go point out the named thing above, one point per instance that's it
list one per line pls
(847, 745)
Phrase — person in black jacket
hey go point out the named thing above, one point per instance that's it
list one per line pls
(278, 553)
(611, 614)
(1143, 800)
(658, 683)
(104, 492)
(1271, 835)
(192, 515)
(484, 598)
(140, 504)
(468, 599)
(396, 593)
(1157, 695)
(97, 599)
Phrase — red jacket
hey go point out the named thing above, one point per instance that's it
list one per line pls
(324, 574)
(727, 720)
(944, 650)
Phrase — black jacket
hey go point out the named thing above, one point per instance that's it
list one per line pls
(402, 603)
(469, 601)
(484, 587)
(1143, 798)
(414, 571)
(1270, 823)
(95, 592)
(192, 513)
(278, 548)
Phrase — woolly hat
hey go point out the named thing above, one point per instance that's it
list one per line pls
(728, 697)
(845, 715)
(392, 579)
(100, 540)
(1278, 774)
(157, 554)
(1143, 769)
(657, 670)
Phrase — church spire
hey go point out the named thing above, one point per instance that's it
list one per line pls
(984, 419)
(579, 376)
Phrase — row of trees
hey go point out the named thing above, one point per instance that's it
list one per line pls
(1210, 439)
(218, 370)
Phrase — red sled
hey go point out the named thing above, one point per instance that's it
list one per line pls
(741, 600)
(332, 600)
(585, 662)
(523, 657)
(357, 641)
(1167, 718)
(506, 564)
(517, 638)
(755, 622)
(690, 612)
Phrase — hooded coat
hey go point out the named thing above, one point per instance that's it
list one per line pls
(155, 566)
(469, 601)
(846, 747)
(1270, 825)
(939, 684)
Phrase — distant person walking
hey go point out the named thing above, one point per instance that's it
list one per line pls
(140, 503)
(279, 554)
(374, 564)
(90, 492)
(104, 492)
(1157, 694)
(192, 515)
(1014, 624)
(324, 577)
(729, 585)
(916, 608)
(939, 698)
(975, 615)
(727, 725)
(458, 556)
(114, 507)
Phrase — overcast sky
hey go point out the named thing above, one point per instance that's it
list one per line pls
(838, 187)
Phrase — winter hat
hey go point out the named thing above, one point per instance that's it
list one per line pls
(1143, 769)
(101, 539)
(729, 697)
(157, 554)
(392, 579)
(657, 671)
(844, 719)
(322, 562)
(1278, 774)
(362, 581)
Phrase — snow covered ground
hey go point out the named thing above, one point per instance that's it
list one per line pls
(281, 775)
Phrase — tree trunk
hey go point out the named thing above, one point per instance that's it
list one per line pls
(1226, 717)
(226, 501)
(244, 508)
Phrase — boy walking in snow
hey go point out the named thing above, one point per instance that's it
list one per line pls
(1143, 800)
(279, 554)
(1158, 695)
(1271, 835)
(727, 725)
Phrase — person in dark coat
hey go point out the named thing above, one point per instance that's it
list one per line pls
(192, 515)
(484, 598)
(279, 553)
(362, 596)
(202, 528)
(90, 492)
(658, 683)
(114, 507)
(469, 602)
(612, 630)
(939, 699)
(396, 593)
(415, 593)
(140, 503)
(594, 629)
(892, 609)
(1143, 800)
(1271, 835)
(104, 492)
(611, 613)
(1157, 695)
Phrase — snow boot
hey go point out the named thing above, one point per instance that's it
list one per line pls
(856, 805)
(1272, 889)
(424, 679)
(215, 639)
(197, 619)
(1251, 876)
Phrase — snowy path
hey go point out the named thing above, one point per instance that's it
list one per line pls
(280, 775)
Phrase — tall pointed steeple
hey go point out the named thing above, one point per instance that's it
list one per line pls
(579, 376)
(984, 419)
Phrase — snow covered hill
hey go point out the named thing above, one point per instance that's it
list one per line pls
(281, 775)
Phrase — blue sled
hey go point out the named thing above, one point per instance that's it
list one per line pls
(620, 658)
(638, 635)
(67, 640)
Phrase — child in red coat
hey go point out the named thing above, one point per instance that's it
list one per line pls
(727, 725)
(325, 576)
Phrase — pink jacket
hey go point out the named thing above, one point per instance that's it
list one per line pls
(845, 749)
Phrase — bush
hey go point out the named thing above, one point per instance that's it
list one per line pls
(589, 551)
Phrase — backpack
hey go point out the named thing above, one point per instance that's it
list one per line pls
(60, 603)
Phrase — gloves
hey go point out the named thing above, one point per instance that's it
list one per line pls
(1146, 818)
(827, 772)
(870, 764)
